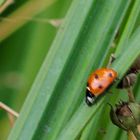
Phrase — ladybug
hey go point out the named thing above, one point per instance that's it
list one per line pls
(98, 82)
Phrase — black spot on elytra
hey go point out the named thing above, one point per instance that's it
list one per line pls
(96, 76)
(100, 86)
(110, 75)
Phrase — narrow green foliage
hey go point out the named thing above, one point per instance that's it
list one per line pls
(50, 73)
(130, 54)
(124, 60)
(55, 108)
(129, 27)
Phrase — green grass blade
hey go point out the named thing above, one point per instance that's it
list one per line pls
(21, 55)
(85, 113)
(88, 41)
(133, 50)
(50, 72)
(94, 128)
(129, 27)
(36, 44)
(78, 46)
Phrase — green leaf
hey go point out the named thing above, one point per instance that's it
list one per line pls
(129, 27)
(52, 70)
(121, 65)
(55, 108)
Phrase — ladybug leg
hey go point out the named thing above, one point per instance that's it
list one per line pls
(90, 98)
(112, 58)
(11, 112)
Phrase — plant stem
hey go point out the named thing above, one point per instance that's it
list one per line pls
(136, 133)
(131, 135)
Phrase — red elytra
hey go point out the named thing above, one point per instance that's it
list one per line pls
(100, 80)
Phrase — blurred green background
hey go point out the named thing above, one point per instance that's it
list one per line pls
(22, 53)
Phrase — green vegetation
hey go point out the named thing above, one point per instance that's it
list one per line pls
(44, 68)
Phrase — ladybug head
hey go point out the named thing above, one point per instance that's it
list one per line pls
(90, 98)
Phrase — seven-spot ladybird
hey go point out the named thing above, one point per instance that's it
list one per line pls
(98, 82)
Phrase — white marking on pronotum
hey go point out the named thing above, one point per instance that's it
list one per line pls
(91, 100)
